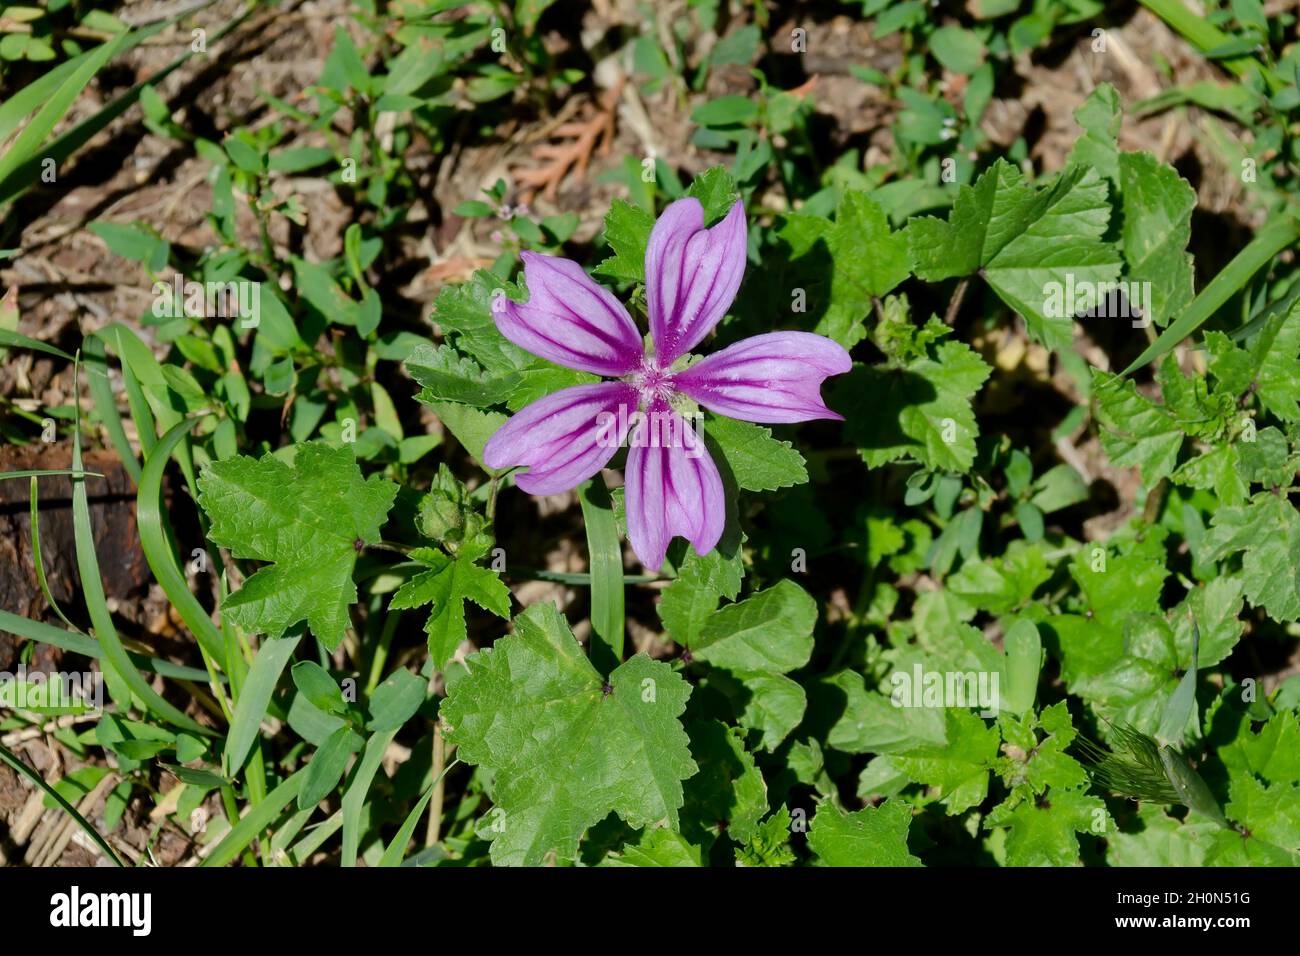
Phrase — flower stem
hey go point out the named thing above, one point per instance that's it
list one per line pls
(606, 565)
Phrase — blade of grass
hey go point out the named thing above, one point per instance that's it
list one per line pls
(153, 411)
(27, 171)
(27, 100)
(354, 797)
(606, 561)
(1259, 252)
(42, 472)
(238, 656)
(37, 560)
(396, 850)
(285, 834)
(136, 402)
(77, 643)
(12, 759)
(92, 587)
(254, 695)
(158, 551)
(18, 340)
(256, 820)
(1206, 36)
(106, 405)
(519, 572)
(53, 108)
(301, 851)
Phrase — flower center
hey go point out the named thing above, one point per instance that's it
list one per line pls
(652, 382)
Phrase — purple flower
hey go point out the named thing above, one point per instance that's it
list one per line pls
(672, 487)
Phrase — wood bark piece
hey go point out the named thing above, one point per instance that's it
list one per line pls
(112, 516)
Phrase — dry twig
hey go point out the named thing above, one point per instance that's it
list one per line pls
(584, 136)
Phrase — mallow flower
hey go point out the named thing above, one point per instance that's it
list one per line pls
(671, 485)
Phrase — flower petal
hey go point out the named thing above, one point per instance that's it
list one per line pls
(563, 438)
(691, 275)
(569, 319)
(671, 488)
(776, 377)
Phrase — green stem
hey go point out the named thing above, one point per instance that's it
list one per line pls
(606, 560)
(519, 572)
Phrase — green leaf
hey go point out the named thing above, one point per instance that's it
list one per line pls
(1136, 432)
(1272, 752)
(1267, 367)
(716, 191)
(627, 233)
(1100, 116)
(1059, 487)
(725, 111)
(563, 753)
(310, 519)
(1041, 832)
(471, 426)
(315, 683)
(134, 241)
(847, 264)
(253, 823)
(770, 704)
(396, 700)
(326, 768)
(873, 836)
(1277, 235)
(318, 288)
(1128, 666)
(770, 844)
(758, 461)
(1024, 650)
(357, 788)
(244, 155)
(868, 722)
(446, 375)
(957, 49)
(1040, 763)
(1267, 531)
(1269, 812)
(1023, 241)
(770, 631)
(1004, 584)
(605, 564)
(658, 847)
(254, 698)
(1157, 205)
(447, 585)
(727, 796)
(54, 101)
(464, 312)
(959, 769)
(692, 597)
(921, 411)
(1161, 841)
